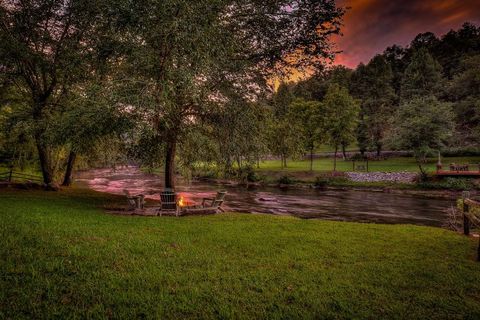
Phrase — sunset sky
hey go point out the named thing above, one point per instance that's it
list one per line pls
(372, 25)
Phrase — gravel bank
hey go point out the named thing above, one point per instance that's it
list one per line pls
(404, 177)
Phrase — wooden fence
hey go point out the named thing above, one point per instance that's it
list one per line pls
(12, 176)
(471, 217)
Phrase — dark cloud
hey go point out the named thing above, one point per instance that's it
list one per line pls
(372, 25)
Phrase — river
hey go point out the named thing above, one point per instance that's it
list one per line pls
(350, 205)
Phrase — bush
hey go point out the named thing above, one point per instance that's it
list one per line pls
(447, 183)
(286, 180)
(324, 181)
(205, 174)
(321, 182)
(248, 174)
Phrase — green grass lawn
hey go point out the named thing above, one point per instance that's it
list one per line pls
(389, 165)
(63, 257)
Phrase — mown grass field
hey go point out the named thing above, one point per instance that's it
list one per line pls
(61, 256)
(389, 165)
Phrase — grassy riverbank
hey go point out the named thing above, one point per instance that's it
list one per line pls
(270, 172)
(389, 165)
(62, 256)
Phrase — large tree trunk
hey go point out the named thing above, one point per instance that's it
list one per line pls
(45, 165)
(67, 180)
(43, 154)
(228, 167)
(344, 152)
(170, 163)
(379, 149)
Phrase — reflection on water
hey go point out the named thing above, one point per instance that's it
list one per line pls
(360, 206)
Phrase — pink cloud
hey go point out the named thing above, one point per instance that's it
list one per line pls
(372, 25)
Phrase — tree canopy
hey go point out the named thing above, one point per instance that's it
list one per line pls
(422, 125)
(340, 117)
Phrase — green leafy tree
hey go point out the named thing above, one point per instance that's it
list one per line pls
(340, 118)
(17, 146)
(422, 125)
(282, 99)
(307, 115)
(188, 56)
(423, 76)
(455, 46)
(378, 101)
(315, 87)
(239, 131)
(363, 140)
(397, 57)
(285, 139)
(47, 46)
(464, 93)
(340, 75)
(88, 115)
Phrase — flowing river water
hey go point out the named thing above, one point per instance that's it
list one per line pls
(350, 205)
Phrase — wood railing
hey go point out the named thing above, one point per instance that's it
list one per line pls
(459, 170)
(11, 176)
(471, 217)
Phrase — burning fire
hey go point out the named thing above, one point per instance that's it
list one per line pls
(181, 202)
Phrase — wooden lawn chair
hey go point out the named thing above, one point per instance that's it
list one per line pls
(168, 203)
(215, 202)
(134, 201)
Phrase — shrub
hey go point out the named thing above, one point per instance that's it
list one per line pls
(447, 183)
(458, 184)
(248, 174)
(286, 180)
(324, 181)
(321, 182)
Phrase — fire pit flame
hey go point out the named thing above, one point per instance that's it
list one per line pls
(181, 202)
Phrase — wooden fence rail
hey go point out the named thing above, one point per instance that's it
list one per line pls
(470, 217)
(11, 176)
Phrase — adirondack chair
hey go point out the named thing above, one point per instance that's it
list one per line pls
(215, 202)
(168, 203)
(134, 201)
